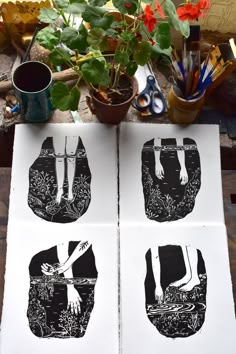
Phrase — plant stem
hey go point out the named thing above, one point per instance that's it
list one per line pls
(117, 77)
(67, 23)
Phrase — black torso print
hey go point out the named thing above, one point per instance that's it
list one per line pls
(48, 312)
(180, 312)
(43, 186)
(166, 199)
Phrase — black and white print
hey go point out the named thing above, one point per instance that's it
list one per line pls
(61, 294)
(171, 177)
(59, 180)
(175, 290)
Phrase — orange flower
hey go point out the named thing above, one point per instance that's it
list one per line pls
(149, 19)
(159, 10)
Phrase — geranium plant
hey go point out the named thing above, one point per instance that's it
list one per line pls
(141, 30)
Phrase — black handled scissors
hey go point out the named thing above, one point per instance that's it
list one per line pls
(151, 98)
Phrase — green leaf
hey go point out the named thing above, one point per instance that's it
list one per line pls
(121, 57)
(48, 15)
(75, 39)
(157, 51)
(95, 72)
(59, 56)
(184, 28)
(127, 36)
(142, 53)
(111, 33)
(97, 39)
(104, 22)
(97, 17)
(63, 98)
(132, 45)
(48, 38)
(163, 35)
(97, 2)
(170, 11)
(121, 6)
(92, 12)
(76, 8)
(62, 4)
(131, 68)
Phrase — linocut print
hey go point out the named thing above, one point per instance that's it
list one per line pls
(175, 290)
(61, 294)
(171, 178)
(59, 180)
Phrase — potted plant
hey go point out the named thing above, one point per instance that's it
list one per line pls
(83, 43)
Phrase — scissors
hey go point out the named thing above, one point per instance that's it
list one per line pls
(151, 98)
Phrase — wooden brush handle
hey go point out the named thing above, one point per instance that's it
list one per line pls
(65, 75)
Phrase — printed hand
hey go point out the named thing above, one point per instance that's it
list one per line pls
(47, 269)
(74, 300)
(159, 295)
(159, 171)
(183, 176)
(62, 268)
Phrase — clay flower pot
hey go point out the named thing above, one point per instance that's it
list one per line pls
(113, 113)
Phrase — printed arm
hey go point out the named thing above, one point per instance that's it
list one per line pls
(158, 166)
(156, 268)
(181, 157)
(65, 267)
(73, 297)
(66, 263)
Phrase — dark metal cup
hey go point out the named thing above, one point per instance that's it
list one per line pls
(32, 81)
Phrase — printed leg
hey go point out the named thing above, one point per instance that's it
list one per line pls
(191, 278)
(187, 276)
(193, 261)
(59, 148)
(71, 146)
(158, 166)
(156, 268)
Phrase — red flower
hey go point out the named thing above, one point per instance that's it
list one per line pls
(149, 19)
(159, 10)
(203, 5)
(127, 5)
(188, 12)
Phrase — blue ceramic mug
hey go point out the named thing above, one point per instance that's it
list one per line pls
(32, 81)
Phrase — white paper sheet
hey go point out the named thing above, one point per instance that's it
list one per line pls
(102, 330)
(139, 335)
(208, 206)
(100, 149)
(91, 215)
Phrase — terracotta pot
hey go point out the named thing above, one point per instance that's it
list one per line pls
(113, 114)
